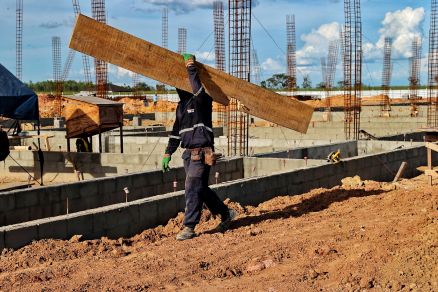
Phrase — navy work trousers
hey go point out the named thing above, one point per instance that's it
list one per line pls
(197, 192)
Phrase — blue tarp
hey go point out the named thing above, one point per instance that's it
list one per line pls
(17, 101)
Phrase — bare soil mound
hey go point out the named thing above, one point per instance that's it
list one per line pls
(362, 235)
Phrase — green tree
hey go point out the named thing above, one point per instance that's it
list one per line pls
(277, 81)
(321, 85)
(307, 83)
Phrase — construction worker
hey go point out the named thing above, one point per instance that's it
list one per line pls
(83, 145)
(155, 99)
(193, 130)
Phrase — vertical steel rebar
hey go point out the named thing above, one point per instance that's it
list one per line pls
(161, 88)
(347, 56)
(432, 92)
(57, 78)
(19, 39)
(385, 103)
(414, 79)
(101, 67)
(352, 49)
(165, 27)
(182, 40)
(136, 93)
(219, 49)
(256, 68)
(331, 71)
(239, 14)
(358, 68)
(71, 54)
(291, 53)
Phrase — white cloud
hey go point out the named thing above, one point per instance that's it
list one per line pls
(403, 26)
(119, 72)
(273, 65)
(205, 57)
(316, 44)
(184, 6)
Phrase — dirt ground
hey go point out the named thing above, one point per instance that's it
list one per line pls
(359, 236)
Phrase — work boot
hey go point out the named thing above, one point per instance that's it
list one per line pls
(186, 233)
(225, 224)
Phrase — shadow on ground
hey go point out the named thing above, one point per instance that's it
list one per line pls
(316, 203)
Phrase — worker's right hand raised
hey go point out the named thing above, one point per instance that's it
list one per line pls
(189, 59)
(165, 162)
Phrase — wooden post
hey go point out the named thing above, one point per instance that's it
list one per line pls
(121, 138)
(400, 171)
(90, 139)
(429, 163)
(46, 140)
(68, 144)
(100, 141)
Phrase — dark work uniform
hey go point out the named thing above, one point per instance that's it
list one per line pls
(193, 129)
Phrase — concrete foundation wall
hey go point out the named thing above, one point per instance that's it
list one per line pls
(373, 146)
(60, 167)
(267, 166)
(41, 202)
(414, 136)
(128, 219)
(348, 149)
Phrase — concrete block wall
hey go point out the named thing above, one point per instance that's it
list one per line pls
(157, 145)
(376, 146)
(59, 167)
(113, 221)
(266, 166)
(42, 202)
(127, 219)
(408, 136)
(380, 167)
(348, 149)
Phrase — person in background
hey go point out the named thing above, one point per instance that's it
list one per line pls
(155, 99)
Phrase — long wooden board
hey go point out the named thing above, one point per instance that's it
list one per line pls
(124, 50)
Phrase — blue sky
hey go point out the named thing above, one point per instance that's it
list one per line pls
(317, 22)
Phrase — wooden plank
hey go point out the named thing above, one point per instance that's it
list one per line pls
(432, 146)
(431, 173)
(400, 172)
(424, 168)
(124, 50)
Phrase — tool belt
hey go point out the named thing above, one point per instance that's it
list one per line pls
(204, 154)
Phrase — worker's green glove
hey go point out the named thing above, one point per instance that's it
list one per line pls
(188, 56)
(165, 163)
(189, 59)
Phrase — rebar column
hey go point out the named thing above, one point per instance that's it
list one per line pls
(291, 53)
(432, 92)
(256, 68)
(219, 49)
(57, 78)
(161, 90)
(331, 71)
(136, 93)
(165, 27)
(414, 76)
(85, 59)
(101, 67)
(182, 40)
(352, 49)
(19, 39)
(239, 22)
(385, 103)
